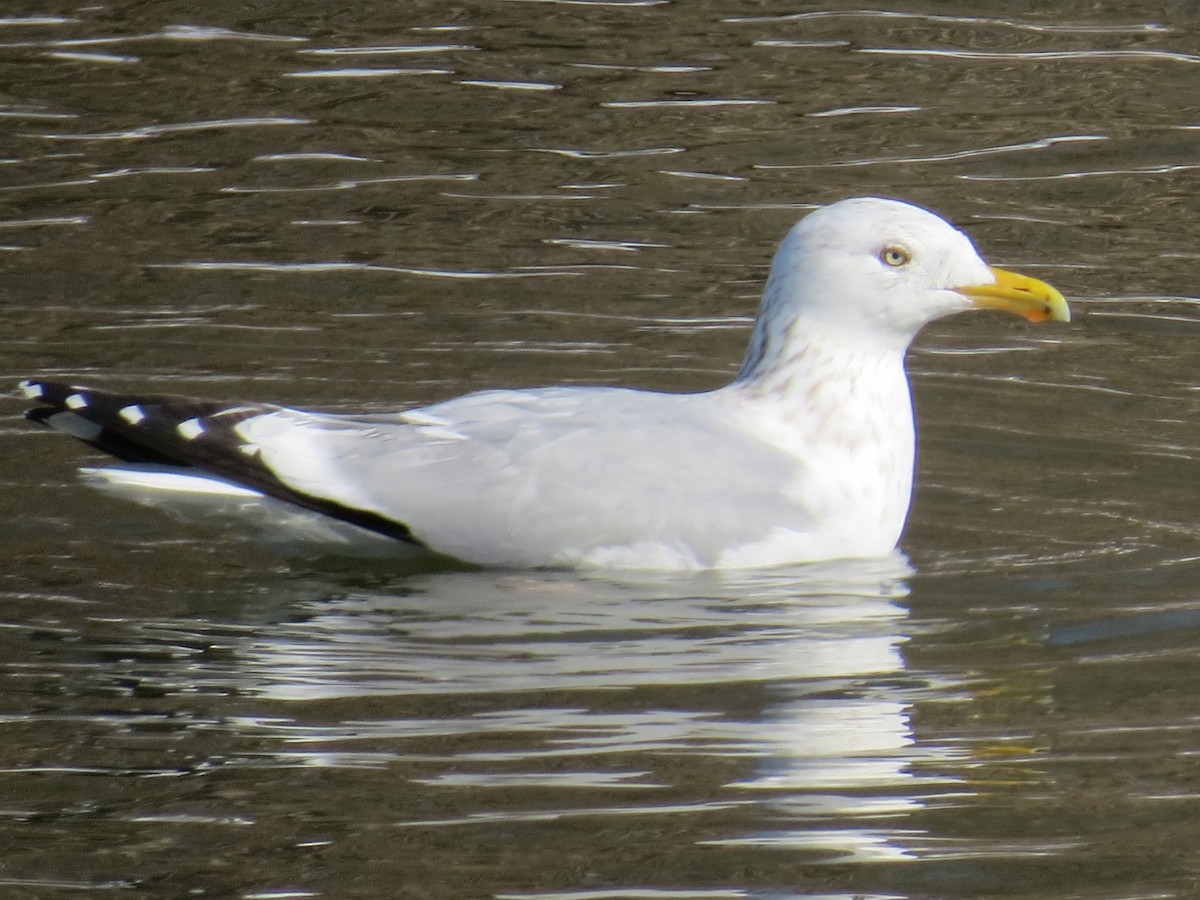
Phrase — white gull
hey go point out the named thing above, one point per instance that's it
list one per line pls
(807, 455)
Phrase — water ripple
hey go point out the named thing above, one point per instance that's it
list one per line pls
(556, 815)
(9, 21)
(861, 110)
(573, 779)
(313, 156)
(109, 58)
(807, 45)
(511, 85)
(349, 184)
(581, 244)
(1158, 169)
(319, 268)
(20, 112)
(1037, 55)
(1039, 144)
(211, 33)
(693, 103)
(60, 884)
(363, 73)
(151, 131)
(191, 33)
(1015, 24)
(705, 176)
(617, 3)
(575, 153)
(523, 198)
(98, 177)
(666, 894)
(388, 51)
(48, 220)
(665, 69)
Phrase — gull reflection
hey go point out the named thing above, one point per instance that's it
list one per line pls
(793, 682)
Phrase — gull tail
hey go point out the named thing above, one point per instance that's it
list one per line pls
(188, 450)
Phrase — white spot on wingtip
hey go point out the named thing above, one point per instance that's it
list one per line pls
(32, 390)
(249, 449)
(76, 401)
(133, 414)
(191, 429)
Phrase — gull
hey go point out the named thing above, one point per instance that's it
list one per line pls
(807, 455)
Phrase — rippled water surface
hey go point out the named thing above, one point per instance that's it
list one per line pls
(361, 205)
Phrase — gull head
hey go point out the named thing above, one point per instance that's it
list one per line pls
(876, 270)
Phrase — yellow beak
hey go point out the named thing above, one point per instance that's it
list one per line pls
(1020, 294)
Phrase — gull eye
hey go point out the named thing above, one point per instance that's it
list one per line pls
(895, 257)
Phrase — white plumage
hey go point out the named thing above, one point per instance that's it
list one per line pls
(806, 455)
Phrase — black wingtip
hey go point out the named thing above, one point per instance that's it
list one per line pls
(152, 428)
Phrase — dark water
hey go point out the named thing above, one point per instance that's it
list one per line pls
(368, 204)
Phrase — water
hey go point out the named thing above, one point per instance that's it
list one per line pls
(360, 206)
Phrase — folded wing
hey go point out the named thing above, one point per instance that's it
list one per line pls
(544, 477)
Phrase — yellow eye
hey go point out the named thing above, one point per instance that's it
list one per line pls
(895, 256)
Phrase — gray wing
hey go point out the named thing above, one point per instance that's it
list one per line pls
(543, 477)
